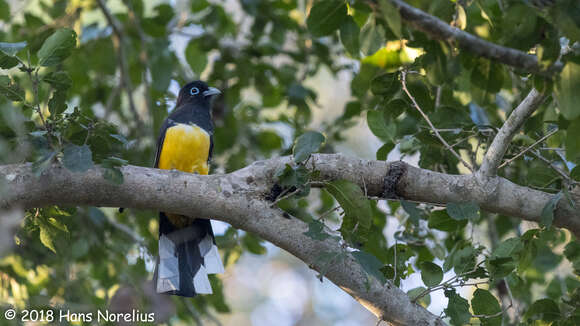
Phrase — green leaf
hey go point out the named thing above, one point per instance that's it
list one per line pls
(253, 244)
(196, 58)
(4, 11)
(199, 5)
(411, 209)
(392, 17)
(306, 144)
(372, 38)
(431, 273)
(457, 308)
(47, 237)
(381, 126)
(349, 32)
(10, 89)
(440, 220)
(316, 231)
(384, 151)
(11, 49)
(547, 216)
(575, 173)
(544, 309)
(488, 75)
(57, 47)
(370, 264)
(424, 301)
(573, 141)
(353, 201)
(326, 16)
(566, 91)
(58, 79)
(57, 103)
(385, 85)
(7, 62)
(7, 54)
(463, 211)
(484, 303)
(77, 158)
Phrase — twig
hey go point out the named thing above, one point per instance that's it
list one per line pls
(439, 30)
(124, 70)
(528, 148)
(511, 126)
(323, 215)
(285, 195)
(193, 312)
(404, 83)
(554, 167)
(143, 57)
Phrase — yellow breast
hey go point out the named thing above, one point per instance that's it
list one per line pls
(185, 148)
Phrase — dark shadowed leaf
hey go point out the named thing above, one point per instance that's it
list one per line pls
(548, 211)
(484, 303)
(573, 142)
(349, 32)
(370, 264)
(10, 89)
(196, 58)
(457, 308)
(326, 16)
(384, 151)
(77, 158)
(316, 231)
(463, 211)
(59, 80)
(57, 102)
(566, 91)
(306, 144)
(352, 200)
(544, 309)
(431, 273)
(424, 301)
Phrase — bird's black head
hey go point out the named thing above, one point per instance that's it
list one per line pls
(196, 92)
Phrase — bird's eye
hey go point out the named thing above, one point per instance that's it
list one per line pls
(194, 91)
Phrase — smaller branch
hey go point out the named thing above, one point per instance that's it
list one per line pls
(511, 126)
(554, 167)
(435, 130)
(528, 148)
(284, 195)
(437, 29)
(143, 57)
(121, 57)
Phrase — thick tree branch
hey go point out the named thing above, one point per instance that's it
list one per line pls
(502, 140)
(238, 198)
(439, 30)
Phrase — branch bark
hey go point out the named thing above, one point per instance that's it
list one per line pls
(239, 199)
(439, 30)
(502, 140)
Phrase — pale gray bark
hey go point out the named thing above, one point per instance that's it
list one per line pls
(513, 124)
(239, 199)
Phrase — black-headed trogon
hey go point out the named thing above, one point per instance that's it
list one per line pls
(187, 250)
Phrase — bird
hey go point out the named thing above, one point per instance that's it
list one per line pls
(187, 248)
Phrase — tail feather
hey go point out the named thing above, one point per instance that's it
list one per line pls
(186, 257)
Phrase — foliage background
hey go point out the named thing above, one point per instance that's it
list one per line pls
(95, 79)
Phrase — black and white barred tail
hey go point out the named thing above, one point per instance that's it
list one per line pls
(186, 257)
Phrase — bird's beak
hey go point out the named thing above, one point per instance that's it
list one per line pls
(211, 91)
